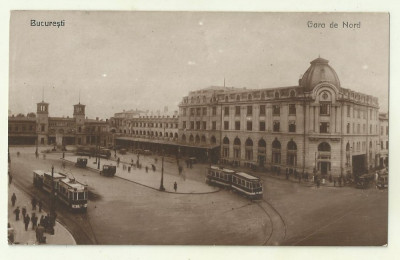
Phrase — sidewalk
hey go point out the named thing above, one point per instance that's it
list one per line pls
(152, 178)
(61, 235)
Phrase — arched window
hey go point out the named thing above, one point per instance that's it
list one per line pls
(197, 139)
(183, 138)
(203, 139)
(249, 97)
(236, 148)
(291, 153)
(324, 147)
(276, 94)
(276, 152)
(213, 140)
(292, 93)
(171, 135)
(176, 135)
(262, 143)
(191, 138)
(249, 149)
(225, 147)
(156, 134)
(238, 98)
(225, 140)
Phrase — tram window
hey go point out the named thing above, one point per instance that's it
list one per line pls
(81, 196)
(217, 174)
(234, 179)
(247, 185)
(213, 174)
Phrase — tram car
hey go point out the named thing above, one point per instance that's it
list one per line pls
(243, 183)
(93, 151)
(69, 191)
(81, 162)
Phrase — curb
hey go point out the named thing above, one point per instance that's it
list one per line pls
(138, 183)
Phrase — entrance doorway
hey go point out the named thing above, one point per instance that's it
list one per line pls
(324, 168)
(359, 164)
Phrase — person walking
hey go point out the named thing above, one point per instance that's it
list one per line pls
(39, 234)
(16, 212)
(13, 199)
(175, 186)
(118, 160)
(34, 220)
(40, 206)
(34, 202)
(23, 212)
(27, 220)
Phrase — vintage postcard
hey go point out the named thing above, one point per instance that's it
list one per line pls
(198, 128)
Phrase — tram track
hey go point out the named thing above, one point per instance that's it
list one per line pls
(81, 231)
(278, 225)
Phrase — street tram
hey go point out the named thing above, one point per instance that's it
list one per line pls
(72, 193)
(243, 183)
(93, 151)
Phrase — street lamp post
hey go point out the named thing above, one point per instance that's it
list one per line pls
(52, 202)
(162, 172)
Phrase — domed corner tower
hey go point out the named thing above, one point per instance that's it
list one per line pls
(42, 122)
(318, 72)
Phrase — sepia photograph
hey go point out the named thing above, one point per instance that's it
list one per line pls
(198, 128)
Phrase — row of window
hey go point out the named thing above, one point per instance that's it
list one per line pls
(358, 129)
(387, 130)
(157, 125)
(151, 133)
(199, 111)
(23, 128)
(359, 113)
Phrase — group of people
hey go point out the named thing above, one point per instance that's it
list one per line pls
(39, 226)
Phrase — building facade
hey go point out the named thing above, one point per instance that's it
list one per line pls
(384, 140)
(45, 130)
(315, 126)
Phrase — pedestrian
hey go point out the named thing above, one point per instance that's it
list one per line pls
(34, 220)
(13, 199)
(153, 167)
(16, 212)
(180, 169)
(23, 211)
(340, 182)
(27, 220)
(118, 160)
(39, 234)
(175, 186)
(41, 221)
(318, 182)
(34, 202)
(147, 169)
(40, 206)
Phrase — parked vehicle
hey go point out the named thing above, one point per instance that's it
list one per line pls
(108, 170)
(81, 162)
(383, 181)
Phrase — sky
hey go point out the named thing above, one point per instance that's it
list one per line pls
(114, 61)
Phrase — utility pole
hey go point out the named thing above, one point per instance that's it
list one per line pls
(52, 202)
(162, 172)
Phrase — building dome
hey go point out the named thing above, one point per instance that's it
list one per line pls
(319, 72)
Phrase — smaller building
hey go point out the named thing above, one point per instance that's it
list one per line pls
(384, 140)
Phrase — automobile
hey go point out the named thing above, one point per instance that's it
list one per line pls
(108, 170)
(81, 162)
(383, 181)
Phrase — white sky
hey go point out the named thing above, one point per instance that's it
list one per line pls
(148, 60)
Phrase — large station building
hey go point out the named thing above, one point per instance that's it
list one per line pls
(42, 129)
(315, 125)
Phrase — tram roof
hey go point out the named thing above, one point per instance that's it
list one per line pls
(56, 175)
(39, 172)
(73, 183)
(228, 170)
(247, 176)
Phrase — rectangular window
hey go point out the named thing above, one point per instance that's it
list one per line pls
(387, 130)
(382, 145)
(262, 126)
(198, 111)
(226, 125)
(324, 109)
(348, 128)
(276, 126)
(198, 125)
(226, 111)
(184, 111)
(292, 109)
(381, 130)
(191, 124)
(276, 110)
(363, 129)
(237, 125)
(214, 111)
(204, 111)
(249, 110)
(292, 127)
(358, 128)
(348, 111)
(192, 111)
(324, 127)
(204, 125)
(358, 113)
(249, 125)
(370, 129)
(42, 128)
(214, 125)
(184, 125)
(370, 114)
(237, 111)
(262, 110)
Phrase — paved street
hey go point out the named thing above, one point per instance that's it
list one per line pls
(122, 212)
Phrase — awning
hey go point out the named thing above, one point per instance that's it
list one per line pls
(166, 142)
